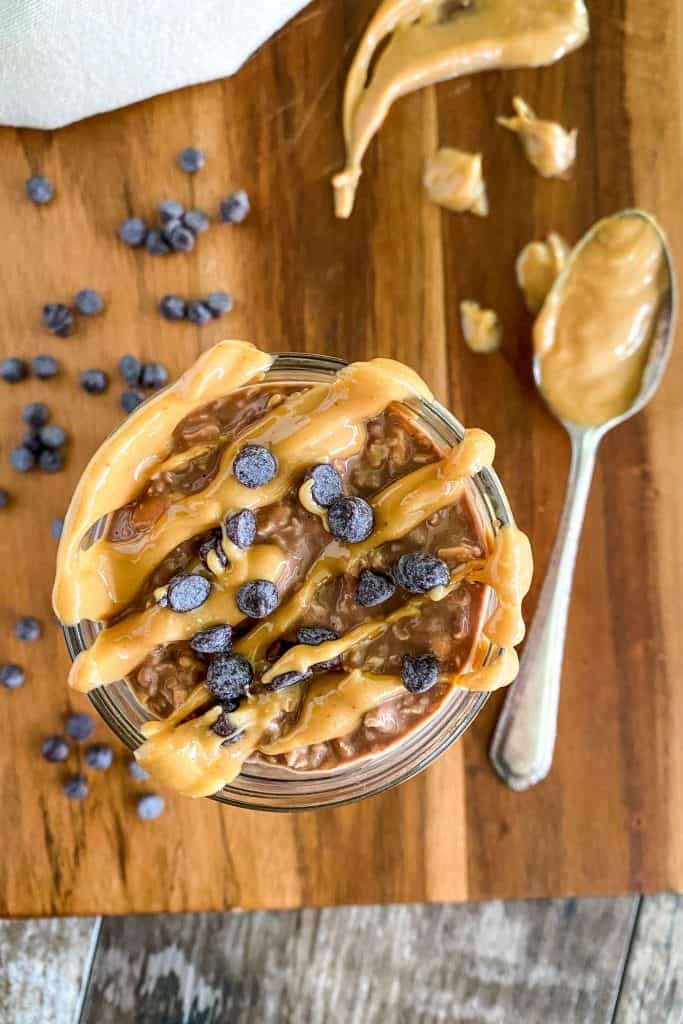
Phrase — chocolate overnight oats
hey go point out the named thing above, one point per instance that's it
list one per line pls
(295, 574)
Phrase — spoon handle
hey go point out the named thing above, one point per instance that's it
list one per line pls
(524, 738)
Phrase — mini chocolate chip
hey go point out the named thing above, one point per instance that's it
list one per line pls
(99, 756)
(36, 414)
(351, 520)
(213, 543)
(57, 527)
(156, 244)
(224, 728)
(133, 231)
(11, 676)
(31, 440)
(44, 367)
(89, 302)
(52, 436)
(216, 640)
(254, 466)
(136, 771)
(327, 484)
(420, 672)
(374, 588)
(228, 676)
(76, 787)
(285, 680)
(172, 307)
(196, 220)
(417, 572)
(198, 313)
(51, 461)
(191, 159)
(150, 806)
(241, 528)
(58, 319)
(257, 598)
(170, 209)
(153, 375)
(181, 239)
(13, 370)
(130, 369)
(22, 459)
(235, 208)
(187, 591)
(55, 749)
(5, 497)
(27, 627)
(219, 303)
(95, 382)
(39, 189)
(79, 726)
(315, 635)
(130, 400)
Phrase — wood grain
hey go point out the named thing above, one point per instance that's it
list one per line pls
(387, 282)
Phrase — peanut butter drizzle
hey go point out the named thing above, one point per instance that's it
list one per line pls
(547, 145)
(132, 454)
(454, 180)
(325, 422)
(508, 572)
(481, 328)
(429, 41)
(538, 266)
(592, 338)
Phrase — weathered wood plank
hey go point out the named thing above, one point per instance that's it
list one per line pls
(551, 961)
(42, 968)
(652, 987)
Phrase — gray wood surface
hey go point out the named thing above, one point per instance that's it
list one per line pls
(652, 987)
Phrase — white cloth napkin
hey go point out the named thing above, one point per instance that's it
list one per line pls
(61, 60)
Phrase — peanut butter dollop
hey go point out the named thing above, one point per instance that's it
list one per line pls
(547, 145)
(454, 180)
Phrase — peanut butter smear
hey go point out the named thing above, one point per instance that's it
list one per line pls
(538, 266)
(547, 145)
(201, 745)
(454, 179)
(592, 337)
(410, 44)
(481, 328)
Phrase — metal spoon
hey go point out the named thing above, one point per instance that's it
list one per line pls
(524, 738)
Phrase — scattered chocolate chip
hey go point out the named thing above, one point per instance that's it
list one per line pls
(181, 238)
(235, 208)
(136, 771)
(351, 520)
(156, 244)
(417, 572)
(89, 302)
(31, 440)
(191, 159)
(130, 369)
(39, 189)
(228, 677)
(196, 220)
(150, 806)
(5, 497)
(55, 749)
(27, 627)
(11, 676)
(58, 319)
(198, 313)
(52, 436)
(79, 726)
(213, 543)
(257, 598)
(95, 382)
(374, 588)
(327, 484)
(170, 209)
(241, 528)
(22, 459)
(57, 527)
(44, 367)
(99, 756)
(173, 307)
(133, 231)
(153, 375)
(285, 680)
(315, 635)
(51, 461)
(76, 787)
(35, 414)
(254, 466)
(224, 728)
(187, 591)
(216, 640)
(419, 672)
(13, 370)
(219, 303)
(169, 227)
(130, 400)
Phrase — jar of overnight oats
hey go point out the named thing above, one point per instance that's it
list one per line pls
(390, 739)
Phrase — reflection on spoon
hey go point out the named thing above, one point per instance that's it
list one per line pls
(601, 343)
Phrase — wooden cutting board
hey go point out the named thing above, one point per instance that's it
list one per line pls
(387, 282)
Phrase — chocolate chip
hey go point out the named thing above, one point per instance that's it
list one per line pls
(44, 367)
(191, 159)
(315, 635)
(351, 520)
(22, 459)
(198, 313)
(27, 627)
(172, 307)
(57, 527)
(150, 806)
(52, 436)
(419, 672)
(216, 640)
(99, 756)
(11, 676)
(136, 771)
(213, 543)
(58, 319)
(55, 749)
(5, 497)
(327, 484)
(39, 189)
(130, 369)
(374, 588)
(169, 210)
(181, 239)
(196, 220)
(219, 303)
(235, 208)
(36, 414)
(224, 728)
(153, 375)
(89, 302)
(130, 400)
(76, 787)
(254, 466)
(228, 677)
(133, 231)
(257, 598)
(241, 528)
(156, 244)
(95, 382)
(187, 591)
(79, 726)
(417, 572)
(13, 370)
(50, 461)
(285, 680)
(31, 440)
